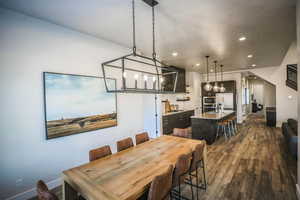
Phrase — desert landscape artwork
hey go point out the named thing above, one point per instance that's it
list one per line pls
(76, 104)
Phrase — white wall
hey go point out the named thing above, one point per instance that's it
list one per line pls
(286, 108)
(269, 95)
(264, 92)
(28, 48)
(257, 89)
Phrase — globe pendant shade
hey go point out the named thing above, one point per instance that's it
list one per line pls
(207, 87)
(216, 88)
(222, 88)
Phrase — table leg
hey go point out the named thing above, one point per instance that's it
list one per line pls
(68, 192)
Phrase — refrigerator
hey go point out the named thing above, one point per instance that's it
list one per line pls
(227, 99)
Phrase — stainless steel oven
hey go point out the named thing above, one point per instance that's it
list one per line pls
(209, 104)
(209, 100)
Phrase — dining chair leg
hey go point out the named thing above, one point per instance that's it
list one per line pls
(192, 187)
(197, 183)
(204, 176)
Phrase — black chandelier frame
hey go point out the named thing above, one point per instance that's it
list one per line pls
(159, 70)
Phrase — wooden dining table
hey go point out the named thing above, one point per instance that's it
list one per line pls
(128, 174)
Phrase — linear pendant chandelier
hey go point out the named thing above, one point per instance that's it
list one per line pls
(135, 73)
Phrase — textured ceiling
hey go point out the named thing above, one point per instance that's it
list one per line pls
(193, 28)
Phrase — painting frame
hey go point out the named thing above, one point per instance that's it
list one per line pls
(45, 104)
(291, 70)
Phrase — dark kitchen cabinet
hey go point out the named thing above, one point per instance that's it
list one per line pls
(169, 80)
(176, 120)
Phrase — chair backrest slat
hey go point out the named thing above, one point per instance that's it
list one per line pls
(141, 138)
(181, 168)
(161, 185)
(197, 156)
(124, 144)
(99, 153)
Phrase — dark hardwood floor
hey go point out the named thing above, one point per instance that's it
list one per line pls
(252, 165)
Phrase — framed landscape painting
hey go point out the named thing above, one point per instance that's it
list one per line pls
(76, 104)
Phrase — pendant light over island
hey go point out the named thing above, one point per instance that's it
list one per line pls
(222, 88)
(216, 87)
(208, 86)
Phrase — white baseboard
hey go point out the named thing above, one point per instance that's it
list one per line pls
(32, 192)
(298, 191)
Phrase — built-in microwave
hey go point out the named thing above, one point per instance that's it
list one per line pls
(209, 100)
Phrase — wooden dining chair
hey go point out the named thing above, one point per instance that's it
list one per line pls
(98, 153)
(196, 163)
(181, 172)
(124, 144)
(141, 138)
(182, 132)
(161, 186)
(43, 192)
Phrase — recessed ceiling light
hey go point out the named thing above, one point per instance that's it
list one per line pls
(198, 64)
(242, 38)
(250, 56)
(175, 54)
(254, 65)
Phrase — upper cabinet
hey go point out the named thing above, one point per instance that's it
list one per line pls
(181, 85)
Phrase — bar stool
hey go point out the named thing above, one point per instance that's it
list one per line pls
(223, 124)
(231, 125)
(234, 118)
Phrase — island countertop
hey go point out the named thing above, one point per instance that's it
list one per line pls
(213, 115)
(173, 113)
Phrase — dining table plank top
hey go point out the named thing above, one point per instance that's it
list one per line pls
(127, 175)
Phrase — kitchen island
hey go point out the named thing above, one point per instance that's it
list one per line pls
(204, 126)
(179, 119)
